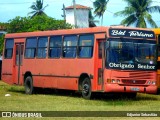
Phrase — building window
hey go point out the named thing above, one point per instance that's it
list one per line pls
(70, 46)
(85, 49)
(9, 48)
(31, 45)
(42, 47)
(55, 46)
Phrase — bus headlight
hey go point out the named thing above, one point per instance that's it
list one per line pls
(149, 82)
(118, 81)
(113, 81)
(153, 83)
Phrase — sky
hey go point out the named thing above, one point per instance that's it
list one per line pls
(9, 9)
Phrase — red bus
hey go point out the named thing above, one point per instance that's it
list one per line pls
(100, 59)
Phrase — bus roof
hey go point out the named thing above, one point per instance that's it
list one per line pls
(100, 29)
(57, 32)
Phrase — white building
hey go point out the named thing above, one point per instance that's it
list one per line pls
(82, 15)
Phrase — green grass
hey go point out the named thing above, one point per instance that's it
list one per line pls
(69, 101)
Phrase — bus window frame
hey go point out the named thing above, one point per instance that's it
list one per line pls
(92, 47)
(35, 53)
(45, 48)
(12, 49)
(63, 40)
(55, 47)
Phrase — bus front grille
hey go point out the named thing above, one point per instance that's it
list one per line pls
(126, 81)
(141, 75)
(134, 77)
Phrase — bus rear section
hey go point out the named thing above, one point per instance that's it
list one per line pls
(157, 33)
(130, 63)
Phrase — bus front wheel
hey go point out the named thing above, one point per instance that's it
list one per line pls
(86, 88)
(29, 85)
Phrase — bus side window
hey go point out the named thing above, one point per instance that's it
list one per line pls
(42, 47)
(31, 45)
(158, 45)
(85, 49)
(9, 48)
(70, 46)
(55, 46)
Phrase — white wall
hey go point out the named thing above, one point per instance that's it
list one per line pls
(82, 17)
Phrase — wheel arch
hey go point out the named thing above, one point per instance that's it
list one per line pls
(28, 73)
(81, 78)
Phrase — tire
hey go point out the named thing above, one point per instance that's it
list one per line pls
(86, 89)
(29, 85)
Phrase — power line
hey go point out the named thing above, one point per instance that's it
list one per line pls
(29, 2)
(110, 11)
(3, 3)
(14, 3)
(91, 1)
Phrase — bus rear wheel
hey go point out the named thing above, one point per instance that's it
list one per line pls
(28, 85)
(86, 89)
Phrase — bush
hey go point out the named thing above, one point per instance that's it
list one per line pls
(1, 44)
(37, 23)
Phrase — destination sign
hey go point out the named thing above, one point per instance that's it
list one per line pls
(131, 66)
(131, 33)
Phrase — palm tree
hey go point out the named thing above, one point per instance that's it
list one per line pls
(37, 8)
(100, 7)
(92, 21)
(138, 13)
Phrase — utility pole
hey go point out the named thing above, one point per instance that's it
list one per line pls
(75, 18)
(64, 13)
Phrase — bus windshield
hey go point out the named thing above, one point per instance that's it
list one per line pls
(145, 53)
(130, 52)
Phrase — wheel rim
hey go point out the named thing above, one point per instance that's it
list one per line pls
(86, 89)
(28, 86)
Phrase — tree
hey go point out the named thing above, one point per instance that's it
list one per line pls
(92, 20)
(37, 8)
(100, 8)
(3, 27)
(37, 23)
(138, 13)
(1, 44)
(18, 24)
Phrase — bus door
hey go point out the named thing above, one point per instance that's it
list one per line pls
(19, 48)
(100, 61)
(100, 54)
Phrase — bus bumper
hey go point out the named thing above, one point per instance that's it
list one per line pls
(140, 89)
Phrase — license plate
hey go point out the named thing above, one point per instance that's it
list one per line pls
(134, 89)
